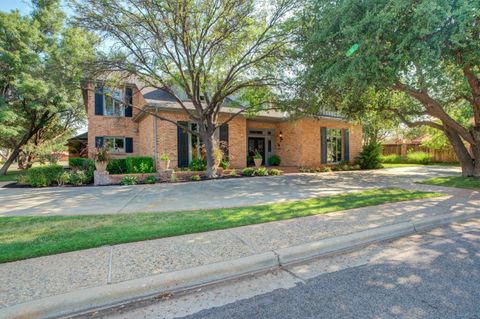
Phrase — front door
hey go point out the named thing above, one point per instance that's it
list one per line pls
(256, 144)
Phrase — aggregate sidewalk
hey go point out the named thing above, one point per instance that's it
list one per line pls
(37, 278)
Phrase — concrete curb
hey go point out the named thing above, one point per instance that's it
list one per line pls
(90, 299)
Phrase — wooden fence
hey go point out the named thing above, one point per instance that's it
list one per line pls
(445, 156)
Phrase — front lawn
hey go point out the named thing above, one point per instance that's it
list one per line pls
(393, 165)
(26, 237)
(454, 181)
(12, 175)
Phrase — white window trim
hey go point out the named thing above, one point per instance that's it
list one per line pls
(111, 150)
(122, 109)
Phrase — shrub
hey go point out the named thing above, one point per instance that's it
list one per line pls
(83, 164)
(129, 180)
(392, 159)
(150, 180)
(78, 178)
(63, 179)
(274, 160)
(164, 157)
(224, 164)
(369, 157)
(275, 172)
(324, 169)
(140, 164)
(248, 171)
(195, 177)
(117, 166)
(43, 176)
(261, 171)
(198, 165)
(419, 158)
(233, 173)
(23, 179)
(173, 178)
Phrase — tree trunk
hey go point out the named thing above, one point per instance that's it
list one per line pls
(17, 150)
(9, 161)
(209, 141)
(466, 160)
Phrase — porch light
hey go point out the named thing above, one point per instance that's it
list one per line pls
(280, 136)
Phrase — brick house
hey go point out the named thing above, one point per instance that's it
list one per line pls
(127, 131)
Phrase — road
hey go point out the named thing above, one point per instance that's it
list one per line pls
(430, 275)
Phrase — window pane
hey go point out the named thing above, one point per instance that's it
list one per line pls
(108, 105)
(119, 144)
(334, 145)
(108, 142)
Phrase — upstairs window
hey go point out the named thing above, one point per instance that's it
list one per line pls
(113, 105)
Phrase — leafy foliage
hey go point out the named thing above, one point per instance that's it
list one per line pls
(42, 61)
(369, 157)
(197, 164)
(274, 160)
(44, 176)
(150, 180)
(117, 166)
(140, 164)
(83, 164)
(129, 180)
(422, 56)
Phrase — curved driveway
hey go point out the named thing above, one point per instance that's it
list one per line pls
(211, 194)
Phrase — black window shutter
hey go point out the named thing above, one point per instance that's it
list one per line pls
(224, 137)
(99, 101)
(323, 144)
(346, 145)
(98, 141)
(128, 145)
(129, 102)
(182, 145)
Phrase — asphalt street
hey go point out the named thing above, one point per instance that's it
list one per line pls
(443, 283)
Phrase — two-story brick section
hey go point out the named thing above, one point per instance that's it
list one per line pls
(127, 131)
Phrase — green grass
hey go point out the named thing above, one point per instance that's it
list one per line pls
(12, 175)
(393, 165)
(26, 237)
(454, 181)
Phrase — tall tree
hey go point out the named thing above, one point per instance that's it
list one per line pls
(428, 50)
(41, 64)
(205, 49)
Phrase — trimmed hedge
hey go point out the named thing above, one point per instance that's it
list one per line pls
(83, 164)
(117, 166)
(44, 176)
(139, 164)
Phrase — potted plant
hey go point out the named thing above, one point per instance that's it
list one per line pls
(164, 161)
(101, 157)
(218, 156)
(257, 158)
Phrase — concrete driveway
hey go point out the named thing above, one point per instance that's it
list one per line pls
(210, 194)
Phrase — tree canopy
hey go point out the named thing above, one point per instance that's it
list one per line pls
(428, 50)
(42, 61)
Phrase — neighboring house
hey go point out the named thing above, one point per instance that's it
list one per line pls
(128, 131)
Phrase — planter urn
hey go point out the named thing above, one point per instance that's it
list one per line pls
(164, 165)
(101, 166)
(258, 162)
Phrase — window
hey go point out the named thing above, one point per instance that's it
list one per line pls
(113, 105)
(334, 145)
(115, 144)
(195, 143)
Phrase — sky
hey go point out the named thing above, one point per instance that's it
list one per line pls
(23, 5)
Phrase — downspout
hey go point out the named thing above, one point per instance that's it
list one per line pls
(155, 137)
